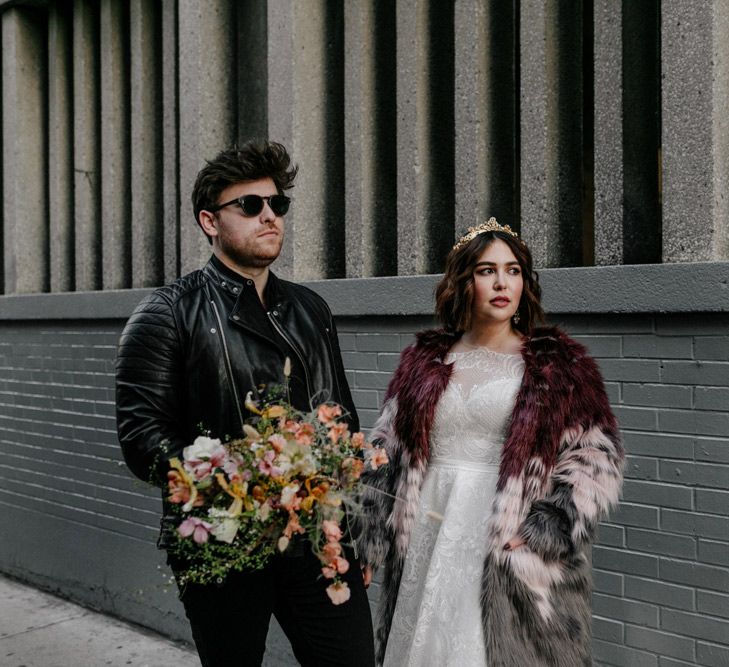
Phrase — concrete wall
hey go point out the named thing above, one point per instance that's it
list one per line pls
(598, 129)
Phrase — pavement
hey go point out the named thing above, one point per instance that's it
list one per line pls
(41, 630)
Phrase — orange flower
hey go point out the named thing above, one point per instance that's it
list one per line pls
(377, 457)
(305, 434)
(293, 526)
(338, 431)
(358, 440)
(353, 467)
(182, 486)
(339, 592)
(327, 414)
(331, 530)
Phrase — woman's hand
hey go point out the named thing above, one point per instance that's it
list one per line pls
(367, 575)
(514, 543)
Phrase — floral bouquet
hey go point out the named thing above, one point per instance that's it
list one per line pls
(242, 501)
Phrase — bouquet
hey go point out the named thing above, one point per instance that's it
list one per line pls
(291, 474)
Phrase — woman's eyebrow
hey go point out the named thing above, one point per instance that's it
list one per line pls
(514, 263)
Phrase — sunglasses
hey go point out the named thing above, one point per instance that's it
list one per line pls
(253, 204)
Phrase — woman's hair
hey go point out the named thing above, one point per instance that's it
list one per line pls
(454, 294)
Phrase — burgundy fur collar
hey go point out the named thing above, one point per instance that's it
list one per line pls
(562, 388)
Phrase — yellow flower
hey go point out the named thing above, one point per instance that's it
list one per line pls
(238, 491)
(181, 478)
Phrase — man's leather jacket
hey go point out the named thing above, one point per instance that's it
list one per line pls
(185, 365)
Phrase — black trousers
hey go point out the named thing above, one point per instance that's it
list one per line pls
(230, 621)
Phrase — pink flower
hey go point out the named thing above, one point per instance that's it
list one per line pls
(265, 465)
(327, 414)
(377, 457)
(331, 550)
(293, 526)
(338, 431)
(331, 530)
(339, 592)
(358, 440)
(278, 442)
(199, 529)
(305, 434)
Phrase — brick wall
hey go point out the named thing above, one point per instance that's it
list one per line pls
(75, 521)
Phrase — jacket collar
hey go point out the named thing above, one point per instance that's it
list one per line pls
(234, 283)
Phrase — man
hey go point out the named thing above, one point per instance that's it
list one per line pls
(187, 358)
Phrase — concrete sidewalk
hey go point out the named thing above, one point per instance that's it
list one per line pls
(41, 630)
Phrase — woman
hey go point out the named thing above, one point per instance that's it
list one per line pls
(504, 455)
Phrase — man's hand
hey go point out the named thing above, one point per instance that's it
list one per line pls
(367, 575)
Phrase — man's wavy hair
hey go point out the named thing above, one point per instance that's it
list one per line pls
(454, 294)
(253, 160)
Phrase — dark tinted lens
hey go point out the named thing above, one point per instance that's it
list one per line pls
(279, 204)
(251, 204)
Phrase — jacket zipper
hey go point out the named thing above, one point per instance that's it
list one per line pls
(283, 335)
(228, 365)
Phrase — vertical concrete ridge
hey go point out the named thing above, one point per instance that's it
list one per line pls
(146, 145)
(720, 125)
(280, 48)
(485, 114)
(695, 156)
(172, 220)
(370, 140)
(86, 139)
(551, 131)
(609, 113)
(318, 141)
(24, 125)
(60, 147)
(116, 166)
(425, 135)
(207, 105)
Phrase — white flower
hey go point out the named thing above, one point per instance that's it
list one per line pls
(263, 511)
(203, 447)
(226, 530)
(288, 494)
(283, 542)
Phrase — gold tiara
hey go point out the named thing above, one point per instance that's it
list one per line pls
(490, 226)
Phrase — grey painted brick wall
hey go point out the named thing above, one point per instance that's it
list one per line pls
(76, 522)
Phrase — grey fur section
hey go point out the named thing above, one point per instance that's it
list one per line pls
(515, 632)
(547, 528)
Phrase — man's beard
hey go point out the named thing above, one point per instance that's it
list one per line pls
(245, 257)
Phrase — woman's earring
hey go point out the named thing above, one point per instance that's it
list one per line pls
(516, 317)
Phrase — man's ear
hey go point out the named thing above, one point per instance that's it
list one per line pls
(208, 223)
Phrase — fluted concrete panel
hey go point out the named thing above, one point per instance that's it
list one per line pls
(115, 155)
(281, 17)
(370, 139)
(551, 131)
(318, 140)
(695, 130)
(25, 204)
(60, 147)
(147, 223)
(485, 114)
(207, 106)
(425, 180)
(608, 110)
(170, 146)
(86, 152)
(252, 65)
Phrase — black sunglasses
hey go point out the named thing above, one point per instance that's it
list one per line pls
(253, 204)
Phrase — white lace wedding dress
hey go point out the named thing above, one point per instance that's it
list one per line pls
(437, 619)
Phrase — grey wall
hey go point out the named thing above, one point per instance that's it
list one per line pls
(76, 522)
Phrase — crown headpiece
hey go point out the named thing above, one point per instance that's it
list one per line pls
(489, 226)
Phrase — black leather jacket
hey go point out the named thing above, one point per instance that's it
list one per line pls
(186, 362)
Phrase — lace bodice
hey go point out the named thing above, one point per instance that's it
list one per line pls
(472, 415)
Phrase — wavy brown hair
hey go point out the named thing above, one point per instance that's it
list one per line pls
(454, 294)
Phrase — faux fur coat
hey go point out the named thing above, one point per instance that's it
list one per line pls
(560, 471)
